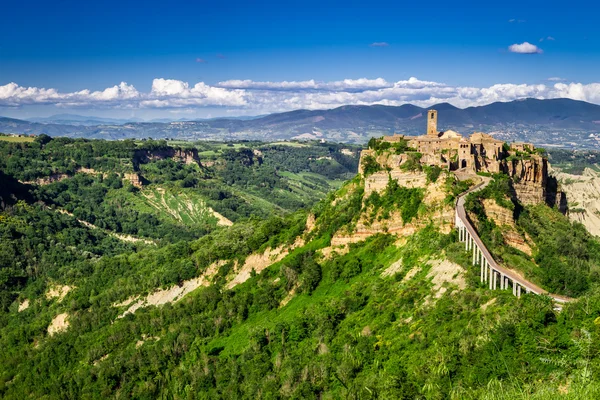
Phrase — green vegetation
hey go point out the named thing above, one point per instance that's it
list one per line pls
(566, 258)
(370, 165)
(568, 255)
(15, 139)
(373, 320)
(395, 197)
(413, 163)
(378, 144)
(455, 187)
(90, 178)
(499, 189)
(432, 172)
(573, 161)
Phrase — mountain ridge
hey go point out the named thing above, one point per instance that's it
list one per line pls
(533, 120)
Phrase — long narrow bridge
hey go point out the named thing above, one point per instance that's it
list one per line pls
(491, 272)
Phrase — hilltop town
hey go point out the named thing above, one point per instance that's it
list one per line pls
(481, 153)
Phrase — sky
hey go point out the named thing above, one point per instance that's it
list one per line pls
(185, 60)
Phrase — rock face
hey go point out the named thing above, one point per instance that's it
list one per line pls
(529, 178)
(134, 179)
(188, 156)
(386, 159)
(378, 181)
(500, 215)
(583, 192)
(532, 184)
(504, 218)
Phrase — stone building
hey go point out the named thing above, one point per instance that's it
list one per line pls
(449, 149)
(526, 167)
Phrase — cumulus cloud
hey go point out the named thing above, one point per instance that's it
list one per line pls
(263, 97)
(344, 85)
(15, 95)
(525, 48)
(379, 44)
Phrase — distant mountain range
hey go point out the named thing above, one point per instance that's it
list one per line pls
(74, 119)
(564, 122)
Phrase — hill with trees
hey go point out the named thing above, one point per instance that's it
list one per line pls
(362, 294)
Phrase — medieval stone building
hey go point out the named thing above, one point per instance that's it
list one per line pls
(449, 149)
(480, 152)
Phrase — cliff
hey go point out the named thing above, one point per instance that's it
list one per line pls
(188, 156)
(529, 177)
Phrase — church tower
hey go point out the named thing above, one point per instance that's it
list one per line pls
(432, 123)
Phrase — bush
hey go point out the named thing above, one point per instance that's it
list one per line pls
(432, 172)
(370, 165)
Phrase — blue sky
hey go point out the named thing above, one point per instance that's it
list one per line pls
(69, 46)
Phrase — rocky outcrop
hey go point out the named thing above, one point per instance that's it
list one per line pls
(47, 180)
(378, 181)
(503, 217)
(188, 156)
(500, 215)
(385, 159)
(583, 192)
(134, 179)
(529, 176)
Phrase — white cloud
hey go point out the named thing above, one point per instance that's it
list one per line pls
(556, 79)
(344, 85)
(248, 96)
(525, 48)
(15, 95)
(379, 44)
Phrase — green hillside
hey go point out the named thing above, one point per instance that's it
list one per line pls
(361, 295)
(181, 186)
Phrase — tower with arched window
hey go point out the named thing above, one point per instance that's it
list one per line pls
(432, 123)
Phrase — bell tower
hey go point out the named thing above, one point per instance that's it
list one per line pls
(432, 123)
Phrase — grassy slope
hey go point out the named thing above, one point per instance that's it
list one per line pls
(16, 139)
(316, 345)
(356, 335)
(173, 204)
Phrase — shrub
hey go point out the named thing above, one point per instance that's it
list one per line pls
(370, 165)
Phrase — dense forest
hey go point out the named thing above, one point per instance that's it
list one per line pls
(309, 319)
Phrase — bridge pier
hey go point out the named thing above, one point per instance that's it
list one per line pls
(485, 271)
(481, 269)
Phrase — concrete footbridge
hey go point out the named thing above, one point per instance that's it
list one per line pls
(491, 272)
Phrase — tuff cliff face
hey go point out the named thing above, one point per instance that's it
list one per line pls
(188, 156)
(385, 159)
(528, 171)
(532, 184)
(529, 176)
(504, 217)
